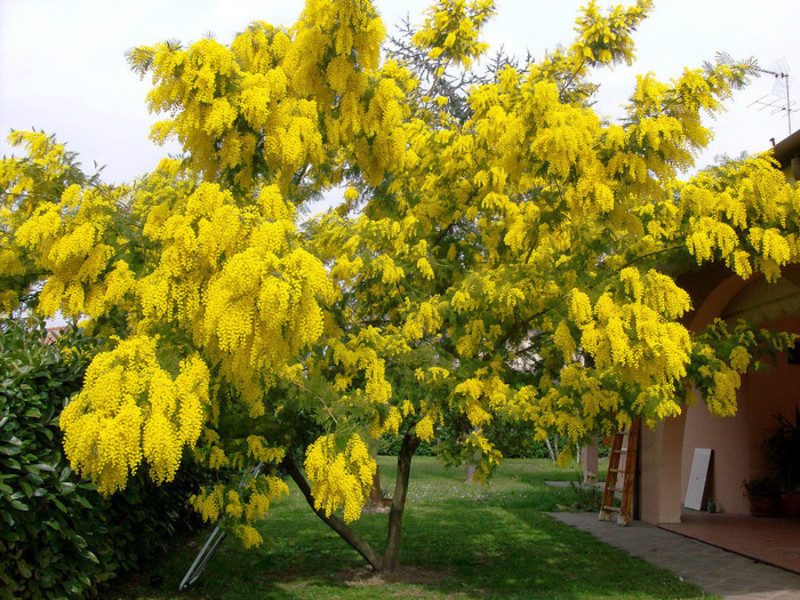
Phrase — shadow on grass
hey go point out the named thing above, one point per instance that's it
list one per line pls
(521, 553)
(460, 541)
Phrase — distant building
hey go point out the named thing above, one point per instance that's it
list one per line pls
(54, 332)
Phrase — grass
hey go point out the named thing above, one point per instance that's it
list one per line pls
(460, 541)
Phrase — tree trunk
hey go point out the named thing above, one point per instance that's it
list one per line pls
(376, 494)
(334, 522)
(392, 554)
(471, 468)
(552, 448)
(590, 462)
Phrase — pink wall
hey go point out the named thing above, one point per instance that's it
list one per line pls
(731, 457)
(738, 442)
(776, 391)
(660, 466)
(667, 452)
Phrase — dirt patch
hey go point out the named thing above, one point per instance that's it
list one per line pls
(373, 508)
(413, 575)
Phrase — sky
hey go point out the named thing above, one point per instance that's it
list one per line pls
(63, 68)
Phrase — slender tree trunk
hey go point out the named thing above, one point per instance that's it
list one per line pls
(376, 494)
(550, 449)
(471, 468)
(472, 464)
(334, 522)
(392, 554)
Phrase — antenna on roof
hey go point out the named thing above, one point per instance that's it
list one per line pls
(774, 101)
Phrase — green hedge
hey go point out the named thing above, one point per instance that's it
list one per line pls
(59, 537)
(514, 440)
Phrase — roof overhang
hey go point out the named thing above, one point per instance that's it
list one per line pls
(787, 153)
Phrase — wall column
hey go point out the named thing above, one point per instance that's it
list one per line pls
(661, 457)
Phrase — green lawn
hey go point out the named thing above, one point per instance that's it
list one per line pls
(460, 541)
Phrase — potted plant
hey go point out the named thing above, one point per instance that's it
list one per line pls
(783, 451)
(763, 495)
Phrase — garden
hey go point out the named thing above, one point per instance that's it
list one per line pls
(460, 541)
(501, 259)
(60, 538)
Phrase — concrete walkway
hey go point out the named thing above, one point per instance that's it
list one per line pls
(717, 571)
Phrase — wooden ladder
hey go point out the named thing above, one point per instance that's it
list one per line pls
(621, 475)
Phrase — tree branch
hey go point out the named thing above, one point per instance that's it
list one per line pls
(351, 537)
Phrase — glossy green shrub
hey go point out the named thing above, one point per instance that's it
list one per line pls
(58, 537)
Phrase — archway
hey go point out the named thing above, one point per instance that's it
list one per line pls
(667, 452)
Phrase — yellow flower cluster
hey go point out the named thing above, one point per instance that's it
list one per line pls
(479, 395)
(424, 427)
(606, 39)
(740, 359)
(341, 479)
(249, 535)
(451, 30)
(359, 358)
(636, 340)
(240, 508)
(722, 399)
(485, 456)
(425, 319)
(132, 410)
(392, 422)
(258, 448)
(262, 309)
(740, 215)
(64, 233)
(563, 340)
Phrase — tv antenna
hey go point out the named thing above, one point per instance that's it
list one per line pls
(774, 101)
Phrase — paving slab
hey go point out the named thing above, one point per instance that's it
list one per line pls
(716, 571)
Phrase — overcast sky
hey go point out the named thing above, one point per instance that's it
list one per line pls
(63, 67)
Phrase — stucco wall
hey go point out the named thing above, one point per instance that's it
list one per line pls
(738, 442)
(660, 471)
(731, 458)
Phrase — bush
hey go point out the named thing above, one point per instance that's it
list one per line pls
(514, 440)
(59, 537)
(389, 445)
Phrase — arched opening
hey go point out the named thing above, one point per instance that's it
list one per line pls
(737, 442)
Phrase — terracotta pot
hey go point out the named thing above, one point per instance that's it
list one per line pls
(790, 505)
(763, 506)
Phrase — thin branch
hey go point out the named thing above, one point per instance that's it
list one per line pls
(318, 397)
(350, 536)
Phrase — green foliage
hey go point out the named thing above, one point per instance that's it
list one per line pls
(44, 551)
(59, 537)
(513, 439)
(766, 487)
(783, 450)
(516, 439)
(389, 445)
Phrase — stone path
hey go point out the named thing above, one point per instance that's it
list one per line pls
(717, 571)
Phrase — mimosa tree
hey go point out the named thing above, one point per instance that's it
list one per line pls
(501, 252)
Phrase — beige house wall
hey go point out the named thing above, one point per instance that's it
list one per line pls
(738, 442)
(660, 472)
(731, 457)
